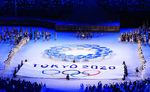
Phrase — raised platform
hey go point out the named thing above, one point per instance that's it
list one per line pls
(102, 27)
(61, 26)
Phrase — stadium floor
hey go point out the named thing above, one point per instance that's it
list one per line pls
(34, 52)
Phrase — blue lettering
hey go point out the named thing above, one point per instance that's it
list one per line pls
(73, 66)
(94, 67)
(102, 67)
(85, 66)
(34, 65)
(65, 66)
(44, 66)
(112, 67)
(54, 66)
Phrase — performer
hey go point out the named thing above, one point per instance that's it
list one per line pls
(91, 34)
(4, 38)
(46, 34)
(7, 37)
(42, 32)
(55, 35)
(74, 61)
(14, 39)
(87, 35)
(67, 77)
(119, 38)
(136, 71)
(149, 39)
(83, 35)
(10, 39)
(77, 33)
(38, 33)
(0, 38)
(43, 37)
(35, 37)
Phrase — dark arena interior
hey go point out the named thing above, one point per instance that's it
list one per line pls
(74, 45)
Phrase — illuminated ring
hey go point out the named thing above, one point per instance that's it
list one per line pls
(63, 72)
(56, 76)
(90, 74)
(76, 76)
(51, 70)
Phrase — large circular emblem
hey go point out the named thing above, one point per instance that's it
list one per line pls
(77, 52)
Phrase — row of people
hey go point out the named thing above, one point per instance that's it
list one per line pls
(14, 50)
(12, 85)
(12, 36)
(18, 68)
(135, 86)
(142, 59)
(15, 35)
(134, 37)
(86, 34)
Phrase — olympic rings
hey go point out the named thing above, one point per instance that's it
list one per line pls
(71, 70)
(77, 72)
(51, 70)
(90, 74)
(76, 76)
(55, 76)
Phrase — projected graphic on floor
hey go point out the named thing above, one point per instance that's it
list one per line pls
(83, 52)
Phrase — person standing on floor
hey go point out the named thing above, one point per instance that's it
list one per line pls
(4, 37)
(142, 71)
(77, 34)
(87, 35)
(137, 71)
(43, 32)
(55, 35)
(0, 38)
(8, 37)
(43, 37)
(67, 77)
(14, 39)
(91, 34)
(46, 35)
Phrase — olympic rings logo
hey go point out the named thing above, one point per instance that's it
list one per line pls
(73, 73)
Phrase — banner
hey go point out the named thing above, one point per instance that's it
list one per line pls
(85, 71)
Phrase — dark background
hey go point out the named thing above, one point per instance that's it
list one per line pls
(130, 13)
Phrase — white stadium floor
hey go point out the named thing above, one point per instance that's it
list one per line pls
(34, 53)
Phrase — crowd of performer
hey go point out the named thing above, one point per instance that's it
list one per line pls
(86, 34)
(135, 86)
(15, 49)
(15, 36)
(138, 71)
(11, 85)
(143, 61)
(133, 36)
